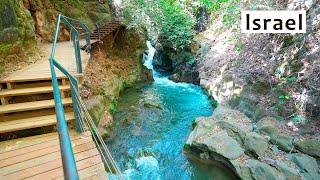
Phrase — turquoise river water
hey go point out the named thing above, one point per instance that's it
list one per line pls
(152, 124)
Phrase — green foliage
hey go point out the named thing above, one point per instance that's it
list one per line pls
(187, 147)
(192, 62)
(166, 18)
(178, 25)
(229, 9)
(214, 103)
(299, 119)
(239, 47)
(291, 79)
(194, 123)
(113, 107)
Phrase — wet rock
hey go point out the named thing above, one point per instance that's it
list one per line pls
(233, 122)
(307, 165)
(144, 168)
(162, 62)
(255, 144)
(186, 73)
(227, 134)
(152, 104)
(309, 146)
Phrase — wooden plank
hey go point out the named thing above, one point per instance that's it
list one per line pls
(4, 100)
(28, 77)
(90, 160)
(9, 85)
(40, 152)
(81, 152)
(92, 172)
(45, 144)
(57, 163)
(29, 123)
(24, 142)
(35, 105)
(29, 91)
(33, 140)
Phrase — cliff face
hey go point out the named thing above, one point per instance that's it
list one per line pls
(264, 74)
(16, 32)
(24, 24)
(44, 13)
(115, 65)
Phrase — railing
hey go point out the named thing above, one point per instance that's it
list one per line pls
(102, 22)
(69, 165)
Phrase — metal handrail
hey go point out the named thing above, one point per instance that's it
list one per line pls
(69, 165)
(69, 21)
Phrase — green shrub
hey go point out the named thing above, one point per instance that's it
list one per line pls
(113, 107)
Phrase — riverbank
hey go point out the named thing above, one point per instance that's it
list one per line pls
(150, 128)
(266, 125)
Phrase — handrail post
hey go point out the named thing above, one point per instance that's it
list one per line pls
(76, 44)
(75, 104)
(69, 164)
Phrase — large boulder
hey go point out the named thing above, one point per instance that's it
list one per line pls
(269, 127)
(307, 165)
(227, 137)
(16, 27)
(185, 73)
(233, 122)
(288, 169)
(309, 146)
(255, 144)
(220, 143)
(162, 62)
(263, 171)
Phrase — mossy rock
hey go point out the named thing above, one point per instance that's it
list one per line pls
(247, 106)
(309, 146)
(307, 165)
(263, 171)
(269, 126)
(9, 35)
(16, 28)
(255, 144)
(283, 141)
(286, 169)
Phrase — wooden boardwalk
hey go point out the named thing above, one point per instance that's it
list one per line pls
(41, 70)
(27, 107)
(38, 157)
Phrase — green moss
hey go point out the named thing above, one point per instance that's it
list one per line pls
(214, 103)
(113, 107)
(288, 41)
(96, 113)
(194, 123)
(187, 147)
